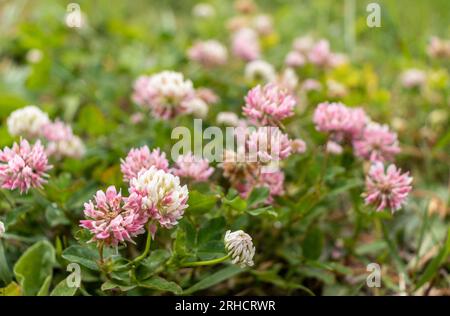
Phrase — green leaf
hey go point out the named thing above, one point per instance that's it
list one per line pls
(433, 266)
(267, 210)
(236, 203)
(211, 230)
(43, 291)
(160, 284)
(214, 279)
(85, 256)
(5, 272)
(201, 203)
(34, 266)
(258, 196)
(313, 244)
(109, 285)
(62, 289)
(149, 266)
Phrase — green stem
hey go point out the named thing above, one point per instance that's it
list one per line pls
(147, 248)
(206, 262)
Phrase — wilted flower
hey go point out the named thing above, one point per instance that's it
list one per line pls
(377, 143)
(209, 53)
(294, 59)
(339, 120)
(240, 247)
(27, 122)
(387, 189)
(191, 167)
(413, 78)
(23, 166)
(139, 159)
(163, 93)
(245, 44)
(268, 105)
(109, 221)
(260, 70)
(438, 48)
(163, 198)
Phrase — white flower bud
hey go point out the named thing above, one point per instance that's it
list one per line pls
(240, 247)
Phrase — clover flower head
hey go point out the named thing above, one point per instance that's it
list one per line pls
(190, 167)
(339, 120)
(387, 189)
(413, 78)
(298, 146)
(23, 166)
(240, 247)
(27, 122)
(438, 48)
(269, 144)
(142, 158)
(197, 107)
(259, 70)
(377, 143)
(109, 221)
(56, 131)
(245, 44)
(320, 53)
(268, 105)
(163, 198)
(303, 44)
(163, 93)
(227, 118)
(294, 59)
(210, 53)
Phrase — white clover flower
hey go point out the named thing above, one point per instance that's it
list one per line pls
(2, 229)
(162, 195)
(260, 69)
(27, 121)
(203, 10)
(72, 147)
(227, 118)
(240, 247)
(197, 107)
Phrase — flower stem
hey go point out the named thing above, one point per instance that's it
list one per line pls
(206, 262)
(147, 248)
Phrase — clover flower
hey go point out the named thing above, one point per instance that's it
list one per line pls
(268, 105)
(207, 95)
(208, 53)
(294, 59)
(109, 221)
(338, 120)
(303, 44)
(413, 78)
(288, 79)
(61, 141)
(377, 143)
(311, 85)
(320, 53)
(139, 159)
(240, 247)
(227, 118)
(27, 122)
(197, 107)
(269, 144)
(259, 70)
(298, 146)
(191, 167)
(263, 24)
(163, 93)
(163, 198)
(438, 48)
(23, 166)
(245, 44)
(387, 189)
